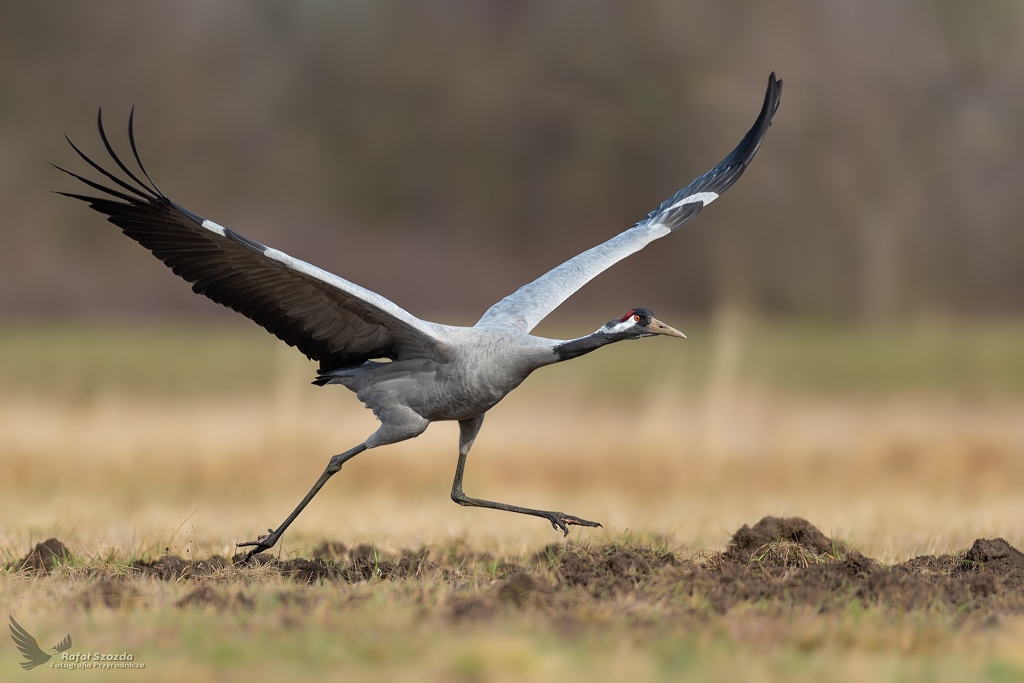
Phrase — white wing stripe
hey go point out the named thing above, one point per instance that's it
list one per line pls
(340, 283)
(704, 198)
(213, 227)
(350, 288)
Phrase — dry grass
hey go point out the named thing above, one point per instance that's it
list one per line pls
(890, 476)
(122, 471)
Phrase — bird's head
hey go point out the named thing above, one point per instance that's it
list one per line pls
(637, 323)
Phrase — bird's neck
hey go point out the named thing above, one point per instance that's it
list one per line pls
(575, 348)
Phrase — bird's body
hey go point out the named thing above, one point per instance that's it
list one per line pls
(486, 364)
(408, 371)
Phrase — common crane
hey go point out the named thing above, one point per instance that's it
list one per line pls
(409, 372)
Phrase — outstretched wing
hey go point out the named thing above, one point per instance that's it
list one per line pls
(63, 645)
(328, 318)
(531, 303)
(28, 646)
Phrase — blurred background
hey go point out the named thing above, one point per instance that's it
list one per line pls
(854, 304)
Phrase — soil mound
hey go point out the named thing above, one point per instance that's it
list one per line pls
(787, 531)
(43, 558)
(998, 559)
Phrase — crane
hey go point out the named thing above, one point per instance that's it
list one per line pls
(409, 372)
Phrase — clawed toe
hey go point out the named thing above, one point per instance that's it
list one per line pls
(561, 522)
(580, 522)
(262, 542)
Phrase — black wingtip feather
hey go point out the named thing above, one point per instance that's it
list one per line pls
(748, 146)
(95, 186)
(110, 151)
(675, 214)
(135, 151)
(145, 195)
(83, 197)
(141, 193)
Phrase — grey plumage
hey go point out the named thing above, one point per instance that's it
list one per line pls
(533, 302)
(410, 372)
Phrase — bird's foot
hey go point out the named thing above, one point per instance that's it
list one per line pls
(263, 542)
(561, 522)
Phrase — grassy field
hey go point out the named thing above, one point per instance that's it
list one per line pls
(132, 443)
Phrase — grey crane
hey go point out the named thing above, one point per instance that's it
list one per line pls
(408, 371)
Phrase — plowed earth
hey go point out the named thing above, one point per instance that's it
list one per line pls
(779, 562)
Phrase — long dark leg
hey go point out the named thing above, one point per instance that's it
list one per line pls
(269, 540)
(467, 434)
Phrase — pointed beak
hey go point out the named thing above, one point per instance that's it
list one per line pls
(658, 327)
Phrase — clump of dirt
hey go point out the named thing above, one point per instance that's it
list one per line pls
(309, 571)
(43, 558)
(174, 568)
(997, 558)
(329, 563)
(793, 533)
(787, 554)
(609, 569)
(363, 563)
(940, 564)
(367, 563)
(108, 592)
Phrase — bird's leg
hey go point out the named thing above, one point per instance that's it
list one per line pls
(269, 540)
(467, 434)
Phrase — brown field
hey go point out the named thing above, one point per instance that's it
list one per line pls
(137, 445)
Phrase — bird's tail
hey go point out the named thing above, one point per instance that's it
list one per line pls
(338, 376)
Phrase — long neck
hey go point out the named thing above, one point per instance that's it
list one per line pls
(584, 345)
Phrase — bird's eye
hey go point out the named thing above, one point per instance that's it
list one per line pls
(636, 318)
